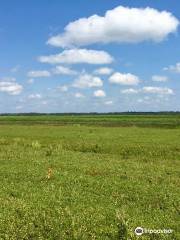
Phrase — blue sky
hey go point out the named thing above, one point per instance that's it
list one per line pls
(86, 56)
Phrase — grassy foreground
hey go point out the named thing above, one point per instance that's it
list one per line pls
(103, 181)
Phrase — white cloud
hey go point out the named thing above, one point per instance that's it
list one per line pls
(99, 93)
(158, 78)
(103, 71)
(8, 79)
(75, 56)
(155, 100)
(12, 88)
(79, 95)
(36, 74)
(108, 102)
(129, 91)
(124, 79)
(63, 88)
(158, 90)
(150, 90)
(173, 68)
(60, 70)
(121, 24)
(35, 96)
(88, 81)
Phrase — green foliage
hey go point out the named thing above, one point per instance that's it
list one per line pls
(105, 181)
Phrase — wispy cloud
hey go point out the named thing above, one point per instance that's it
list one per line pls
(79, 95)
(159, 78)
(109, 102)
(130, 91)
(61, 70)
(173, 68)
(75, 56)
(30, 81)
(103, 71)
(35, 96)
(63, 88)
(15, 69)
(158, 90)
(39, 73)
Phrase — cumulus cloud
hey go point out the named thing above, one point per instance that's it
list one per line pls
(76, 56)
(158, 78)
(173, 68)
(87, 81)
(11, 87)
(41, 73)
(158, 90)
(35, 96)
(103, 71)
(124, 79)
(99, 93)
(61, 70)
(121, 24)
(130, 91)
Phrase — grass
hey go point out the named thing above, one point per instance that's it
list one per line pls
(150, 120)
(88, 181)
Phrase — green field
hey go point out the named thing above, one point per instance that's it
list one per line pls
(153, 120)
(109, 174)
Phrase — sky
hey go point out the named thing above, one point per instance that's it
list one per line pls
(89, 56)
